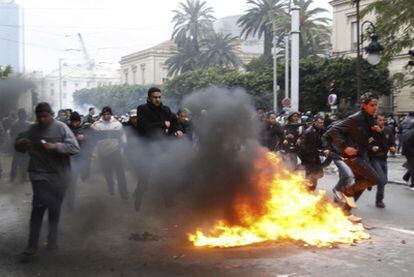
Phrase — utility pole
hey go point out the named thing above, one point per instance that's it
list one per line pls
(295, 57)
(60, 83)
(287, 65)
(274, 68)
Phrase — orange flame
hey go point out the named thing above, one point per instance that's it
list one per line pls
(290, 211)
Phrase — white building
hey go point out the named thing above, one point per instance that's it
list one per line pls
(228, 25)
(11, 35)
(74, 77)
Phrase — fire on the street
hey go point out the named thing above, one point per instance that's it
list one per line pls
(289, 212)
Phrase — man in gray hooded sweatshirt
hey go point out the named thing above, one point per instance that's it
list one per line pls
(49, 144)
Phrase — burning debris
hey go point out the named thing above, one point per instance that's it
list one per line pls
(289, 211)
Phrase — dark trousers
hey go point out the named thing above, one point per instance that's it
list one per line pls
(380, 166)
(113, 163)
(365, 176)
(19, 164)
(46, 196)
(410, 169)
(313, 174)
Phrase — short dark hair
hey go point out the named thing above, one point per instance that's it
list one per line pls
(106, 109)
(43, 107)
(75, 116)
(152, 90)
(269, 114)
(91, 108)
(367, 97)
(316, 117)
(180, 111)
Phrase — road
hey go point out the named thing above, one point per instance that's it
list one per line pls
(96, 239)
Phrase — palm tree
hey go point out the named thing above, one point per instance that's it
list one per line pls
(314, 29)
(184, 59)
(262, 19)
(193, 22)
(220, 50)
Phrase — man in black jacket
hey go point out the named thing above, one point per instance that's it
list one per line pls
(272, 133)
(349, 139)
(408, 152)
(310, 151)
(380, 144)
(155, 121)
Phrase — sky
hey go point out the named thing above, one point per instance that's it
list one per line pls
(110, 28)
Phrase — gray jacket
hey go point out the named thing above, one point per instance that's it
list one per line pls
(53, 162)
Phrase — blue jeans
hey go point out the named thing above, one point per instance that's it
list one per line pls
(346, 177)
(381, 168)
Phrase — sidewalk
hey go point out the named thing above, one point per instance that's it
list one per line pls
(396, 170)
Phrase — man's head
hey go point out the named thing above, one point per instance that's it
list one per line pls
(75, 119)
(380, 120)
(271, 118)
(44, 114)
(133, 117)
(182, 115)
(369, 103)
(261, 114)
(62, 115)
(21, 114)
(154, 96)
(318, 122)
(294, 117)
(106, 113)
(92, 111)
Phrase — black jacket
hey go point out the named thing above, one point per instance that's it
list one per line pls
(384, 141)
(311, 146)
(354, 131)
(408, 143)
(151, 121)
(295, 130)
(272, 136)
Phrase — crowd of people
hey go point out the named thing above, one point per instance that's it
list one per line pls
(60, 150)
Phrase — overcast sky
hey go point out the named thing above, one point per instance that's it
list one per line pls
(110, 28)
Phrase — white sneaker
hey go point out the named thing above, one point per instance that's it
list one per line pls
(411, 188)
(350, 201)
(354, 218)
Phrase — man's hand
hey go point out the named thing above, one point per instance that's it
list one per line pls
(350, 151)
(49, 146)
(285, 142)
(80, 137)
(298, 142)
(167, 124)
(393, 150)
(376, 128)
(290, 136)
(26, 142)
(375, 148)
(179, 134)
(326, 152)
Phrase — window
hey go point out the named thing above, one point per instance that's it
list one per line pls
(52, 84)
(354, 36)
(64, 83)
(76, 84)
(64, 96)
(99, 84)
(88, 84)
(52, 92)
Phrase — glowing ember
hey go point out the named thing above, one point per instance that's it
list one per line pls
(290, 211)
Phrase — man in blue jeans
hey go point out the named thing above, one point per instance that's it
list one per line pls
(380, 143)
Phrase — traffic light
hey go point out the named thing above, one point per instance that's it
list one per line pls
(411, 53)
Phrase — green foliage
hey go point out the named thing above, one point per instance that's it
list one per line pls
(395, 26)
(6, 71)
(121, 98)
(315, 76)
(220, 50)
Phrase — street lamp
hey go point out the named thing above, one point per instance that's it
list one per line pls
(373, 49)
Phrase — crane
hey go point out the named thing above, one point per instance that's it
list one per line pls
(89, 62)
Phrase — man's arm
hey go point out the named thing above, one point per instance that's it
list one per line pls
(69, 145)
(337, 133)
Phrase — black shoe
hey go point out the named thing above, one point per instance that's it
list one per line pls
(27, 255)
(380, 204)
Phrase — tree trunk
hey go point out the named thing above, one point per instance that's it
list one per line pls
(268, 43)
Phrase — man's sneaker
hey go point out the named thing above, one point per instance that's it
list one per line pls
(338, 196)
(350, 201)
(411, 188)
(380, 204)
(354, 219)
(27, 255)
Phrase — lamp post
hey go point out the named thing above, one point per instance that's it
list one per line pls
(295, 57)
(60, 83)
(373, 50)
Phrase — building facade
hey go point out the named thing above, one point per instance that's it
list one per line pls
(11, 36)
(344, 43)
(74, 77)
(148, 67)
